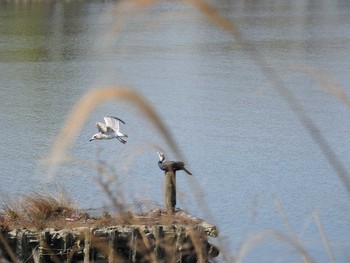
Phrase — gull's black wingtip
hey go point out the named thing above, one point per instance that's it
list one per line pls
(116, 119)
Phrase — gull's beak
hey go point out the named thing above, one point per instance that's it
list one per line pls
(91, 139)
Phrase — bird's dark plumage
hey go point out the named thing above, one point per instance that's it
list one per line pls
(171, 165)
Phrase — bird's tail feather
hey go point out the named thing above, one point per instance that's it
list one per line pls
(187, 171)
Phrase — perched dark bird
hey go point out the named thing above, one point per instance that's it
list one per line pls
(171, 165)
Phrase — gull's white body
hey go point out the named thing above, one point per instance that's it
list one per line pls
(109, 130)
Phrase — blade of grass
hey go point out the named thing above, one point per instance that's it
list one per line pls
(326, 82)
(288, 225)
(323, 235)
(277, 84)
(88, 103)
(266, 235)
(214, 16)
(8, 249)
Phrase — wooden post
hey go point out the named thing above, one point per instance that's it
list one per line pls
(87, 243)
(169, 242)
(170, 191)
(44, 247)
(112, 245)
(68, 245)
(135, 237)
(159, 235)
(180, 243)
(21, 246)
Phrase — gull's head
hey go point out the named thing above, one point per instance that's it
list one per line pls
(96, 136)
(161, 156)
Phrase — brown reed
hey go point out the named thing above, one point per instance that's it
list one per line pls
(91, 100)
(88, 103)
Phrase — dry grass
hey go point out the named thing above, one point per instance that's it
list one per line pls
(41, 207)
(88, 103)
(270, 235)
(36, 210)
(40, 211)
(325, 81)
(65, 138)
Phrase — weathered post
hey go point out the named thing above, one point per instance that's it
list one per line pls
(87, 243)
(159, 235)
(113, 237)
(170, 168)
(44, 242)
(170, 191)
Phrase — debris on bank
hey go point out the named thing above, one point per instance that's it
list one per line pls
(179, 237)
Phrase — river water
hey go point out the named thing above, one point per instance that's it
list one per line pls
(251, 140)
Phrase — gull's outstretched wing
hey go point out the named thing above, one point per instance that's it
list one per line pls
(101, 127)
(113, 122)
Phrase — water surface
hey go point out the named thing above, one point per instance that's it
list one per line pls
(245, 146)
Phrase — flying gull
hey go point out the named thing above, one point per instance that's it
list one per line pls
(110, 130)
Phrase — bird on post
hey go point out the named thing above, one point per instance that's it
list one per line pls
(171, 165)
